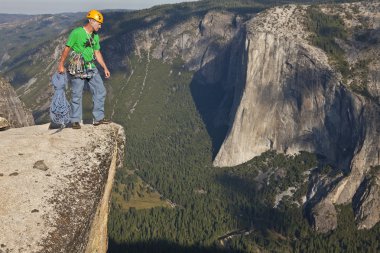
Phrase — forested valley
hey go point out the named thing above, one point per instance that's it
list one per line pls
(197, 207)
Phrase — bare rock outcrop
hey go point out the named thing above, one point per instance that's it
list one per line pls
(55, 187)
(4, 124)
(367, 200)
(324, 216)
(11, 107)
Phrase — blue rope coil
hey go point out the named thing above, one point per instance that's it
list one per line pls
(59, 107)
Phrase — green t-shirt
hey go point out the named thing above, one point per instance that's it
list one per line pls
(79, 41)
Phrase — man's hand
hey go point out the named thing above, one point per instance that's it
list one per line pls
(99, 58)
(61, 68)
(107, 73)
(65, 53)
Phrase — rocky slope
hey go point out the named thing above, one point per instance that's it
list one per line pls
(55, 187)
(11, 107)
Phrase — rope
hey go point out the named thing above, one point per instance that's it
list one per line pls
(59, 107)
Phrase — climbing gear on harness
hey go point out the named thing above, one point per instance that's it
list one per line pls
(95, 15)
(90, 43)
(90, 40)
(79, 68)
(76, 64)
(59, 107)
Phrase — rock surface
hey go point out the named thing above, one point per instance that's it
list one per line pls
(4, 124)
(324, 217)
(367, 200)
(11, 107)
(55, 187)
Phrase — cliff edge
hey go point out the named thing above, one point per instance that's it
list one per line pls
(55, 187)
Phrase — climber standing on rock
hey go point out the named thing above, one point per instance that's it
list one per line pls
(84, 43)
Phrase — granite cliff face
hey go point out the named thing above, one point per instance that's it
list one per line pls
(56, 187)
(366, 201)
(293, 99)
(11, 107)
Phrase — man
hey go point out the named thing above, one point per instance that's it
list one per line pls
(84, 41)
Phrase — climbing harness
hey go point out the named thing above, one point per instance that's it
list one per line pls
(59, 107)
(77, 65)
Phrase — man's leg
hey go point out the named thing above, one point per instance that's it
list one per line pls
(76, 99)
(98, 96)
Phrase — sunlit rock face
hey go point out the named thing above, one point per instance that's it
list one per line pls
(55, 187)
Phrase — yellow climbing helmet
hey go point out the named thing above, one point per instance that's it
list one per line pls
(96, 15)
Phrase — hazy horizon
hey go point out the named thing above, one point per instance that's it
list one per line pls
(46, 6)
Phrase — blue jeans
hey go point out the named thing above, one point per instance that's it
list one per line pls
(98, 92)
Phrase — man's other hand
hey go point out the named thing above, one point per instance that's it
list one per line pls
(107, 73)
(61, 69)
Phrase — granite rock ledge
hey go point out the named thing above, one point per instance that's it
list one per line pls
(55, 187)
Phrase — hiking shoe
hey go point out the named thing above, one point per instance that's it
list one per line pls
(54, 125)
(75, 125)
(102, 121)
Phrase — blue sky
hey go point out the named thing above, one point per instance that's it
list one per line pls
(54, 6)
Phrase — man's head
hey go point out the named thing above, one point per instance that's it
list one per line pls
(95, 18)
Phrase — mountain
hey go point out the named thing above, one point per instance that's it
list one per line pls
(295, 97)
(8, 18)
(204, 85)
